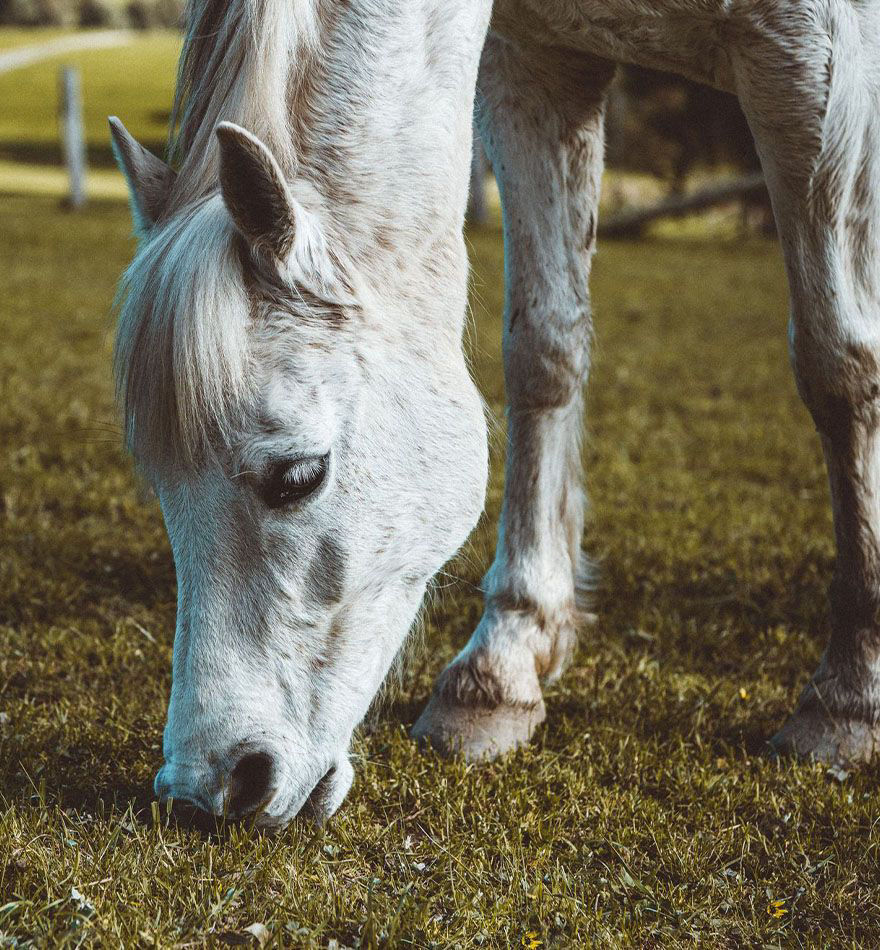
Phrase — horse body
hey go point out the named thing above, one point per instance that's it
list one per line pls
(313, 434)
(681, 36)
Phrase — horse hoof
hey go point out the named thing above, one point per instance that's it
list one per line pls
(477, 732)
(813, 734)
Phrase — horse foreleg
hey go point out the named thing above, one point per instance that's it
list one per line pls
(541, 120)
(810, 87)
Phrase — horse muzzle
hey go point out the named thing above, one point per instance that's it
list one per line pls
(258, 784)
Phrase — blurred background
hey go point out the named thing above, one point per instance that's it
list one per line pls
(675, 149)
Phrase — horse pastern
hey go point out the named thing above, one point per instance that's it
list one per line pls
(479, 680)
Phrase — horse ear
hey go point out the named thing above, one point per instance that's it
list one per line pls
(255, 192)
(148, 177)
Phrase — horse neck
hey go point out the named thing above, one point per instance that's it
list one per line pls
(381, 125)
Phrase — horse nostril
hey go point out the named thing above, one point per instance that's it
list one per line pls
(316, 803)
(250, 784)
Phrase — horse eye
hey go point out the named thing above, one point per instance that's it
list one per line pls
(289, 480)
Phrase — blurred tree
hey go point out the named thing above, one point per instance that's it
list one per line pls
(670, 127)
(139, 14)
(37, 13)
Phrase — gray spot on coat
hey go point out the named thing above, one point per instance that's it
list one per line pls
(326, 576)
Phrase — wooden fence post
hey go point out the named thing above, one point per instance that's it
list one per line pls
(73, 138)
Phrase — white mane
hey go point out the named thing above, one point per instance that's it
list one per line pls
(240, 62)
(182, 352)
(182, 345)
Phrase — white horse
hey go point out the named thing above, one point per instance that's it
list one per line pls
(290, 363)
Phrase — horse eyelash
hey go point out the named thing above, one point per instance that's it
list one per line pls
(302, 471)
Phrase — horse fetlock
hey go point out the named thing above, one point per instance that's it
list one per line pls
(487, 702)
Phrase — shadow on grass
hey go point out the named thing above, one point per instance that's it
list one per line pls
(85, 582)
(49, 153)
(63, 783)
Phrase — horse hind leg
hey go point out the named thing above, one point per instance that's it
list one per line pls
(813, 101)
(541, 116)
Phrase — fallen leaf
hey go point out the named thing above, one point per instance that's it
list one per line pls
(260, 932)
(82, 905)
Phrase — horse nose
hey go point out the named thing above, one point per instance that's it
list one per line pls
(257, 784)
(244, 789)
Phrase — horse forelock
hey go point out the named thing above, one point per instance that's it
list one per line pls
(188, 305)
(182, 351)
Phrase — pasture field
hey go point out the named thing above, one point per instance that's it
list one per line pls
(645, 814)
(134, 82)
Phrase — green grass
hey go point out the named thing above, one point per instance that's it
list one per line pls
(134, 82)
(644, 814)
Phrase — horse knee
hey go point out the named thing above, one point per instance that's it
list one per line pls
(839, 381)
(546, 363)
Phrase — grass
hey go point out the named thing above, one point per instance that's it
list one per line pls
(134, 82)
(644, 814)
